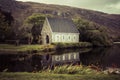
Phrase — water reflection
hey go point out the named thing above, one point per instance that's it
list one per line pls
(20, 63)
(102, 57)
(66, 58)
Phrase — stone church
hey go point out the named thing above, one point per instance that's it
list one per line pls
(59, 30)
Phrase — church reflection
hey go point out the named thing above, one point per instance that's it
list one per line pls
(66, 58)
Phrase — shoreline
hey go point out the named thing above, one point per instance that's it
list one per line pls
(37, 48)
(10, 48)
(65, 72)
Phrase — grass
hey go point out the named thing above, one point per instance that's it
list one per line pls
(70, 69)
(8, 47)
(65, 72)
(52, 76)
(38, 48)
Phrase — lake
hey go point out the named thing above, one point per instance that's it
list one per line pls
(29, 62)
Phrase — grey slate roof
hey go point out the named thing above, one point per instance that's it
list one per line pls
(62, 25)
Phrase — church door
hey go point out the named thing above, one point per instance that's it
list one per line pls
(47, 39)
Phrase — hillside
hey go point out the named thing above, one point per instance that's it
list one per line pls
(21, 10)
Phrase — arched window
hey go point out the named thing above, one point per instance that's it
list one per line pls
(69, 37)
(63, 37)
(74, 37)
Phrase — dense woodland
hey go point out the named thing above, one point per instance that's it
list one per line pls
(6, 22)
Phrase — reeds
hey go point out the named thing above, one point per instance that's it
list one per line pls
(71, 69)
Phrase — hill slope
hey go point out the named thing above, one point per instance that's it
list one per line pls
(21, 10)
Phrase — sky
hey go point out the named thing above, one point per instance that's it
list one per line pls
(107, 6)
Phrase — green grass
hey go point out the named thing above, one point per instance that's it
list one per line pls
(65, 72)
(8, 47)
(70, 69)
(51, 76)
(38, 48)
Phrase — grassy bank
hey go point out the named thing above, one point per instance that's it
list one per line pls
(39, 48)
(66, 72)
(8, 47)
(49, 76)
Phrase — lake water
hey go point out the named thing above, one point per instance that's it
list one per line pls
(101, 57)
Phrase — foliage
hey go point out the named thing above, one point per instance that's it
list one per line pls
(33, 25)
(35, 19)
(5, 28)
(65, 72)
(93, 33)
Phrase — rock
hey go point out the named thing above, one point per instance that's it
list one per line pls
(116, 72)
(112, 71)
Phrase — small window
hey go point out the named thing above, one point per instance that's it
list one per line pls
(57, 38)
(63, 57)
(75, 56)
(69, 56)
(74, 37)
(69, 37)
(63, 37)
(57, 58)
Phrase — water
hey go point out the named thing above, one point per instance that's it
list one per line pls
(101, 57)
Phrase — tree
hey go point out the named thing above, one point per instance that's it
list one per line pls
(93, 33)
(36, 21)
(5, 28)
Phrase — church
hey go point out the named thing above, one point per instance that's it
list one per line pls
(57, 30)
